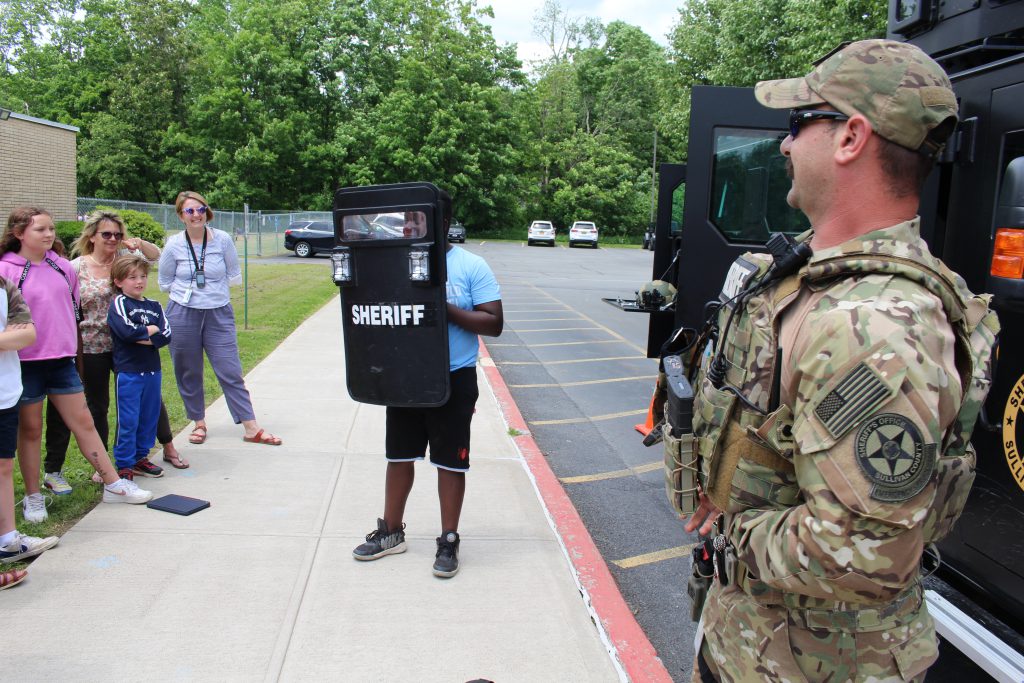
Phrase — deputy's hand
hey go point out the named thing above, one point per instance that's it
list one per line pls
(704, 516)
(132, 243)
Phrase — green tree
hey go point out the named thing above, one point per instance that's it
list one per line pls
(739, 42)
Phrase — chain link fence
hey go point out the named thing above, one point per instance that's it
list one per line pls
(264, 236)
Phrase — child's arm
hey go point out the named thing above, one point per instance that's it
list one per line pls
(121, 326)
(151, 329)
(17, 337)
(161, 332)
(20, 331)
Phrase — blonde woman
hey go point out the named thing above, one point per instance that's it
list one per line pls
(104, 237)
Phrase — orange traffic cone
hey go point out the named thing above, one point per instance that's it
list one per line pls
(648, 424)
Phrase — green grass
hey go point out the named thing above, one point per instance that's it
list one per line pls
(280, 298)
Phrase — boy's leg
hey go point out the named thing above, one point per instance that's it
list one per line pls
(129, 396)
(451, 491)
(397, 486)
(149, 415)
(405, 443)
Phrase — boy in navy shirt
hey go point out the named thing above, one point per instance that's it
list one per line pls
(139, 328)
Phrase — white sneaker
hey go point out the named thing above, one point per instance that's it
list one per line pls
(34, 506)
(125, 491)
(23, 547)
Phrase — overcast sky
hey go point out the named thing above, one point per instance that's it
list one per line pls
(513, 19)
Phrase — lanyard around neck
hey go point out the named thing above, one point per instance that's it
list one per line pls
(71, 291)
(201, 261)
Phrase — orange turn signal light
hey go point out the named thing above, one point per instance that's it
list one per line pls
(1008, 253)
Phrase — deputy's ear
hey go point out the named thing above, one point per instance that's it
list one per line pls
(852, 139)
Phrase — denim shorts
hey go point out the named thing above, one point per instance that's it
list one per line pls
(8, 432)
(41, 378)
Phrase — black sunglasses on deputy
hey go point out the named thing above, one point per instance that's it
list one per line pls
(107, 235)
(798, 117)
(191, 212)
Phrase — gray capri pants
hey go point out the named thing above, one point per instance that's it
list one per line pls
(211, 330)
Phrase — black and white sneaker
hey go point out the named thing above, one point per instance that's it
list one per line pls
(446, 564)
(381, 542)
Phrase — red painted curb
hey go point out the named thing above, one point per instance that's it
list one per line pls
(634, 651)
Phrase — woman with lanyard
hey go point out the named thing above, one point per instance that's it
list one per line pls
(104, 238)
(50, 289)
(197, 267)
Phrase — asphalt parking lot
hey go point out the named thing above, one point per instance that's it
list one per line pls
(578, 372)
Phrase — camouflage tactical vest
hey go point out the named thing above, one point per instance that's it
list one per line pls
(729, 433)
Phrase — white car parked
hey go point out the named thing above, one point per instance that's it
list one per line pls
(583, 232)
(541, 231)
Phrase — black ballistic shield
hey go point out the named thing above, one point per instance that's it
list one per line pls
(394, 301)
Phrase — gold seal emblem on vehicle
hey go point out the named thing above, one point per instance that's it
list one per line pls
(1011, 428)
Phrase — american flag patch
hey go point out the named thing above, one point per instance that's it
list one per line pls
(860, 392)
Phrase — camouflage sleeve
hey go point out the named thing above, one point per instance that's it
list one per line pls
(875, 390)
(17, 309)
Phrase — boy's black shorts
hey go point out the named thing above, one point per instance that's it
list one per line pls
(444, 428)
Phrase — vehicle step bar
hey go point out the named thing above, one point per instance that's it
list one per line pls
(981, 646)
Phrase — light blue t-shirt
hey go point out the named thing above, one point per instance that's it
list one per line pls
(470, 283)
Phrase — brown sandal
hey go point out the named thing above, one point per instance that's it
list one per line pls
(261, 437)
(195, 437)
(176, 461)
(12, 578)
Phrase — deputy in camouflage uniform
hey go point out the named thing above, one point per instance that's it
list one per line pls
(835, 436)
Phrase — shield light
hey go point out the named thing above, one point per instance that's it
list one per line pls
(419, 265)
(341, 266)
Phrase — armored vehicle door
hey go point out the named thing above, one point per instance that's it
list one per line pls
(735, 185)
(390, 265)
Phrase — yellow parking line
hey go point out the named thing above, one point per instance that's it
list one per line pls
(599, 325)
(578, 343)
(558, 385)
(640, 469)
(656, 556)
(536, 320)
(594, 418)
(557, 329)
(530, 311)
(566, 362)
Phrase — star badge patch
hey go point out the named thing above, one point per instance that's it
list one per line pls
(893, 456)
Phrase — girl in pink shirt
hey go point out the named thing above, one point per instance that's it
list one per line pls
(50, 288)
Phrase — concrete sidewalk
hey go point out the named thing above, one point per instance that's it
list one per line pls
(262, 585)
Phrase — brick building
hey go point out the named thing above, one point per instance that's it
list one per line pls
(37, 166)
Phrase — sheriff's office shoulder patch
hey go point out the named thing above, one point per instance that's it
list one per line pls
(857, 395)
(894, 458)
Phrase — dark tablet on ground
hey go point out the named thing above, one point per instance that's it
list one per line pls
(179, 505)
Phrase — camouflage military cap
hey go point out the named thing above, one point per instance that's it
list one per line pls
(899, 89)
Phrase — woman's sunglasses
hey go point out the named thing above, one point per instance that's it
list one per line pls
(111, 235)
(192, 212)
